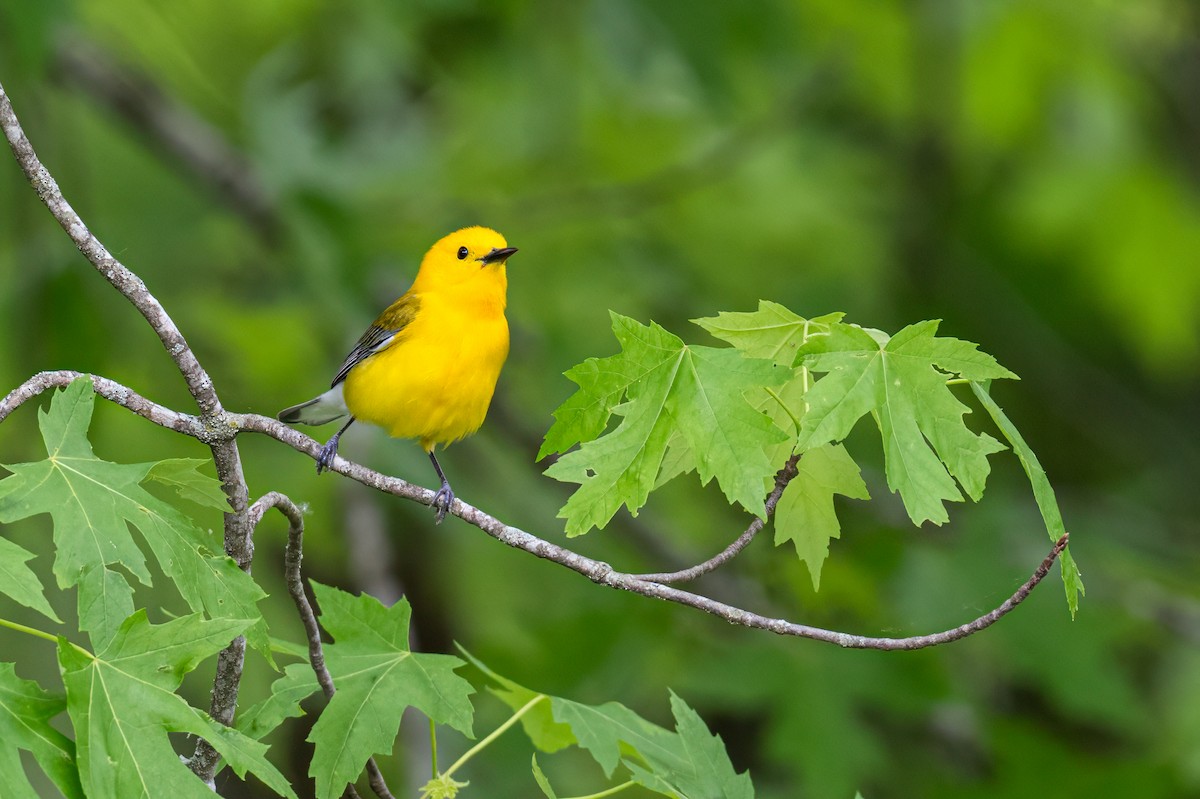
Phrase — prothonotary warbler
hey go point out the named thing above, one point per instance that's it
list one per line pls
(427, 367)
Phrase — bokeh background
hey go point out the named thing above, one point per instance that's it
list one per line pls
(1025, 170)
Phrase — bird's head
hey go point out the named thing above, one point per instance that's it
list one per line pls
(472, 256)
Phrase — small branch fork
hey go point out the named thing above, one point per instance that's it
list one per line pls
(292, 556)
(651, 585)
(219, 429)
(782, 479)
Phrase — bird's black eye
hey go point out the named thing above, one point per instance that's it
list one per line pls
(463, 252)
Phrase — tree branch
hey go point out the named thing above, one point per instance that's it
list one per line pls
(112, 391)
(124, 281)
(292, 556)
(782, 478)
(604, 574)
(226, 458)
(594, 570)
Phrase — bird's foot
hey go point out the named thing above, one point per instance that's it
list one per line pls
(327, 454)
(442, 501)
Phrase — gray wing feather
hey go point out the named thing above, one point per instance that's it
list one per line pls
(382, 333)
(375, 339)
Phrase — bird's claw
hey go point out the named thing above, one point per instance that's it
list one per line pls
(327, 454)
(442, 501)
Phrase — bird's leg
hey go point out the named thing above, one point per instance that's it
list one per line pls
(329, 451)
(445, 495)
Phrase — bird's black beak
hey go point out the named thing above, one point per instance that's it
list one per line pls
(498, 256)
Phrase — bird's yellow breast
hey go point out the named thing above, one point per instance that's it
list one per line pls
(434, 382)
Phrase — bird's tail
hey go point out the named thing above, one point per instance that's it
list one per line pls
(319, 410)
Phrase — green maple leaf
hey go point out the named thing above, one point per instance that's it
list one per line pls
(122, 704)
(105, 600)
(697, 765)
(689, 762)
(610, 731)
(25, 713)
(1043, 493)
(93, 502)
(540, 778)
(19, 582)
(775, 333)
(183, 475)
(902, 382)
(805, 514)
(297, 684)
(668, 388)
(602, 384)
(377, 677)
(772, 332)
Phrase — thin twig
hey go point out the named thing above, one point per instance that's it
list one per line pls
(782, 478)
(125, 281)
(109, 390)
(293, 554)
(604, 574)
(226, 458)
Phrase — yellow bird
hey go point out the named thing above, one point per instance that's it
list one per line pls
(427, 367)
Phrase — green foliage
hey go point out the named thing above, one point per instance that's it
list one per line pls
(122, 700)
(669, 388)
(723, 412)
(771, 332)
(805, 514)
(690, 761)
(122, 704)
(18, 581)
(903, 381)
(540, 778)
(25, 713)
(443, 786)
(687, 762)
(297, 684)
(183, 475)
(93, 502)
(377, 677)
(1042, 492)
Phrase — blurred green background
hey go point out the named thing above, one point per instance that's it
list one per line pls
(1026, 171)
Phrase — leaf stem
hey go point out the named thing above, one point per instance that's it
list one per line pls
(496, 733)
(433, 747)
(782, 478)
(21, 628)
(783, 405)
(803, 375)
(608, 792)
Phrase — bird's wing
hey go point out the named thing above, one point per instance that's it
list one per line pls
(382, 333)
